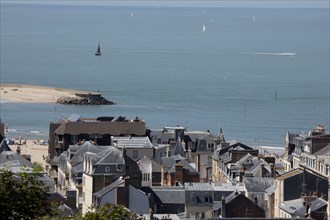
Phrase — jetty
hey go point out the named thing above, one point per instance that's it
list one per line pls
(85, 98)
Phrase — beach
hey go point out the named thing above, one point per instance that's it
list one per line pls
(37, 151)
(21, 93)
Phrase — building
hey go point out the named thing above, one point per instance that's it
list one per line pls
(236, 205)
(151, 172)
(136, 147)
(227, 158)
(304, 144)
(296, 184)
(176, 171)
(167, 199)
(100, 170)
(261, 189)
(69, 131)
(121, 192)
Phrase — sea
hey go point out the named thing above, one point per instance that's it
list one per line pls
(254, 72)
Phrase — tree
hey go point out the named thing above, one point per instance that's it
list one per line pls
(22, 195)
(109, 211)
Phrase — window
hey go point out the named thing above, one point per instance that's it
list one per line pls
(107, 169)
(146, 177)
(206, 199)
(135, 154)
(74, 139)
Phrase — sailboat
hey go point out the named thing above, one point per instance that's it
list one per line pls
(204, 28)
(98, 51)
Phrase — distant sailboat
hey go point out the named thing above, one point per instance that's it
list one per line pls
(254, 19)
(132, 15)
(212, 21)
(98, 51)
(204, 28)
(275, 95)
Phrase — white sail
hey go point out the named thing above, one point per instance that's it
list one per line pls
(204, 28)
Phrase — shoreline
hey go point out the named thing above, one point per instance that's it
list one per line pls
(24, 93)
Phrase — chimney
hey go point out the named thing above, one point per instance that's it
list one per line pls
(272, 170)
(241, 174)
(262, 170)
(179, 172)
(126, 181)
(168, 152)
(223, 207)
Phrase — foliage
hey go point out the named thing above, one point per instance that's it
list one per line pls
(109, 211)
(37, 168)
(22, 195)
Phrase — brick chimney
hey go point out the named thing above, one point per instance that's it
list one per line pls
(178, 172)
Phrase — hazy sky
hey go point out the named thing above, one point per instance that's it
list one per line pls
(189, 3)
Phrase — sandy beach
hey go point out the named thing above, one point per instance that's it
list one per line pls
(33, 94)
(35, 150)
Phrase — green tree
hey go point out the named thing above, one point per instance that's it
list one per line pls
(22, 195)
(109, 211)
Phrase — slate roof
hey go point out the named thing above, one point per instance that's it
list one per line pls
(109, 188)
(102, 127)
(185, 165)
(247, 157)
(77, 168)
(168, 162)
(179, 148)
(200, 135)
(133, 142)
(87, 146)
(170, 195)
(198, 187)
(258, 184)
(4, 146)
(111, 155)
(65, 211)
(323, 152)
(7, 157)
(296, 207)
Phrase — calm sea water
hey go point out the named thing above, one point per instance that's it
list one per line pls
(158, 64)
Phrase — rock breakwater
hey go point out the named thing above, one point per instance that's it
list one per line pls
(99, 100)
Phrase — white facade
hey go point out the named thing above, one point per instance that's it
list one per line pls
(87, 193)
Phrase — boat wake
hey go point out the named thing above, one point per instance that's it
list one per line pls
(205, 52)
(274, 54)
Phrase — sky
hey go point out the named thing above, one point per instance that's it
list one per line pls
(190, 3)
